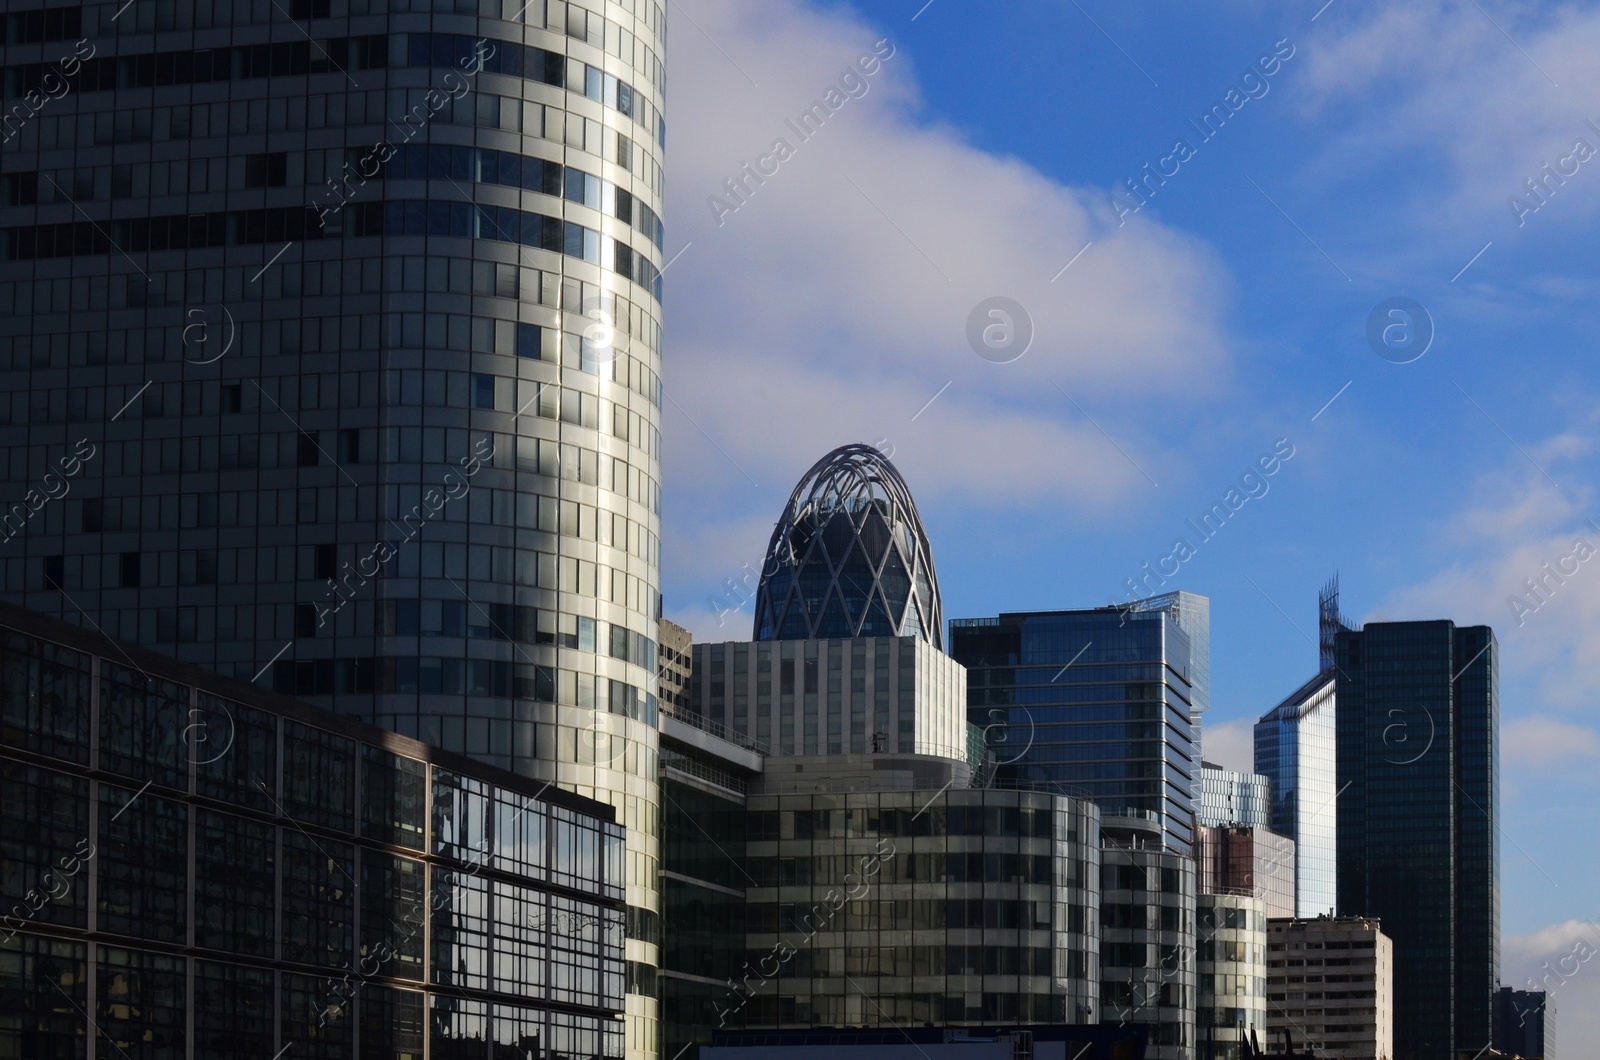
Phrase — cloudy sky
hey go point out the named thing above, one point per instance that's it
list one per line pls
(1369, 152)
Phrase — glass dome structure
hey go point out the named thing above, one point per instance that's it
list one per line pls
(849, 557)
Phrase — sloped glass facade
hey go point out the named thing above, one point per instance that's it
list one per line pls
(194, 868)
(1294, 749)
(849, 557)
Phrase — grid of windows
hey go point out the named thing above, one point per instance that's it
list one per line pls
(1106, 701)
(312, 922)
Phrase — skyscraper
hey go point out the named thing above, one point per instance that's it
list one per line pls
(330, 359)
(1106, 701)
(1418, 772)
(1294, 749)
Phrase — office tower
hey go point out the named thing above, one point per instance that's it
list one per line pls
(194, 866)
(340, 322)
(1229, 798)
(1254, 862)
(1104, 701)
(1524, 1023)
(1147, 943)
(849, 557)
(1418, 772)
(1331, 984)
(1231, 952)
(1295, 749)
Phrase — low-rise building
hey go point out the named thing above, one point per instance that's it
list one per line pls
(1330, 983)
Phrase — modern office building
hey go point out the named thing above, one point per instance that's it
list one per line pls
(1231, 951)
(1331, 984)
(1295, 746)
(1525, 1023)
(939, 904)
(842, 695)
(1106, 701)
(1419, 820)
(196, 867)
(330, 360)
(1148, 971)
(1295, 750)
(849, 557)
(1230, 798)
(1252, 862)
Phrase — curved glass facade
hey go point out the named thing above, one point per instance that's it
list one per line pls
(1147, 904)
(849, 557)
(1232, 955)
(340, 321)
(913, 907)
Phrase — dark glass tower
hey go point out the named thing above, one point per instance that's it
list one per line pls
(1418, 771)
(1105, 701)
(849, 557)
(330, 361)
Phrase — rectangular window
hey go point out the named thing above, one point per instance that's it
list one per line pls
(129, 570)
(55, 572)
(483, 391)
(307, 452)
(232, 397)
(350, 446)
(326, 561)
(266, 171)
(528, 341)
(305, 620)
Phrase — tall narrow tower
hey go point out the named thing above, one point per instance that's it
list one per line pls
(330, 359)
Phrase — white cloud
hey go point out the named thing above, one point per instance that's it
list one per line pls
(1230, 744)
(1539, 741)
(833, 304)
(1435, 92)
(1553, 960)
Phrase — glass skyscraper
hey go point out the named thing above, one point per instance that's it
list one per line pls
(1103, 702)
(330, 360)
(1419, 815)
(1294, 748)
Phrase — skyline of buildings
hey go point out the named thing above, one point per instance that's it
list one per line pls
(404, 465)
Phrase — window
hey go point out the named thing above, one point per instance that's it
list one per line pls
(308, 452)
(305, 620)
(326, 561)
(232, 397)
(483, 391)
(19, 189)
(528, 340)
(129, 570)
(55, 572)
(350, 446)
(267, 171)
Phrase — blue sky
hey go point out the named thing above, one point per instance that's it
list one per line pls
(829, 303)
